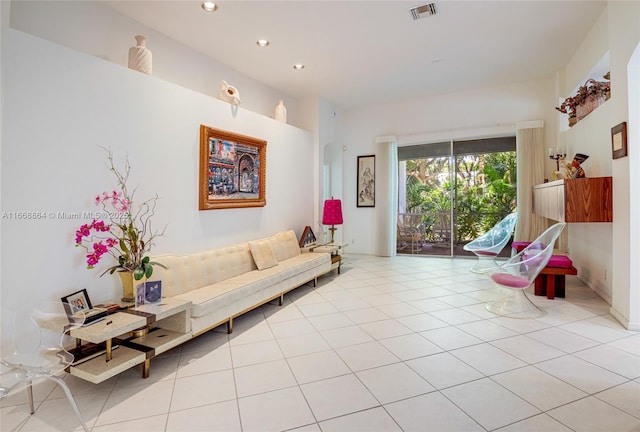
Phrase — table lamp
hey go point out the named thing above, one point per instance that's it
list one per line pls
(332, 215)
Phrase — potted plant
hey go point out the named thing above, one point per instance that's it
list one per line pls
(588, 97)
(568, 106)
(125, 232)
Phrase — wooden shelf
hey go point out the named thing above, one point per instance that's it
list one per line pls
(575, 200)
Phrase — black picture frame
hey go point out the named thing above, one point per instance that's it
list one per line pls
(79, 309)
(77, 302)
(366, 179)
(619, 140)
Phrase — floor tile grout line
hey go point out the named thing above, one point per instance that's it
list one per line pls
(592, 310)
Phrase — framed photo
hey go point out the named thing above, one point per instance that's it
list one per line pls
(232, 170)
(366, 181)
(153, 292)
(619, 140)
(77, 302)
(79, 309)
(140, 294)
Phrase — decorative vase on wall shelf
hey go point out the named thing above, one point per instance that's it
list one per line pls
(229, 93)
(128, 285)
(281, 112)
(140, 57)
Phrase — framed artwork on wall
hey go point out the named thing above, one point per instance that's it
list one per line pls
(619, 140)
(366, 181)
(232, 170)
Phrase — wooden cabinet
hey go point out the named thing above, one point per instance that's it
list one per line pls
(575, 200)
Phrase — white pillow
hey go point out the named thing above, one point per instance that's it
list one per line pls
(262, 254)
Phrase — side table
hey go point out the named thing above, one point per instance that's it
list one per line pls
(335, 250)
(166, 325)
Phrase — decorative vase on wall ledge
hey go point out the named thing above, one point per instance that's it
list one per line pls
(281, 112)
(229, 93)
(140, 57)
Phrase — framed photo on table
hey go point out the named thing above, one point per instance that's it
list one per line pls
(366, 181)
(619, 140)
(78, 307)
(77, 302)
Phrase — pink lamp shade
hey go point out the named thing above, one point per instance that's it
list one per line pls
(332, 214)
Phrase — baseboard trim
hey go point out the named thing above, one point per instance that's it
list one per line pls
(624, 321)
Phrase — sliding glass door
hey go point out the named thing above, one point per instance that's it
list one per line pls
(452, 192)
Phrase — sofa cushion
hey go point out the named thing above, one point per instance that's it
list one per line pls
(284, 245)
(262, 254)
(510, 280)
(560, 261)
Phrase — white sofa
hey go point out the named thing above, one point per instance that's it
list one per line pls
(227, 282)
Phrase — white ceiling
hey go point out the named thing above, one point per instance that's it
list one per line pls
(366, 52)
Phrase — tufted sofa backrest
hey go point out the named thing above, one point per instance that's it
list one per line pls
(187, 272)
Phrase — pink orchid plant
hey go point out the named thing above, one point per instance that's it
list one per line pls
(127, 236)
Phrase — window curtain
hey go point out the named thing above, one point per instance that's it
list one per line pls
(531, 159)
(386, 193)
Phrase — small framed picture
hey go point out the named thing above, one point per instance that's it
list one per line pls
(77, 302)
(153, 292)
(79, 309)
(140, 288)
(619, 140)
(366, 181)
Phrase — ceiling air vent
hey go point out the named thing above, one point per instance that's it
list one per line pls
(423, 11)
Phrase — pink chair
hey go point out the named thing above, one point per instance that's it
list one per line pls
(516, 274)
(488, 246)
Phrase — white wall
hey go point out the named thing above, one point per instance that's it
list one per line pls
(60, 105)
(590, 244)
(624, 37)
(602, 252)
(96, 29)
(498, 108)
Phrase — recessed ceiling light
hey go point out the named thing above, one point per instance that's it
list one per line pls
(262, 42)
(298, 66)
(208, 6)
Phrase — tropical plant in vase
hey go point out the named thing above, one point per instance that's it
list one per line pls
(125, 233)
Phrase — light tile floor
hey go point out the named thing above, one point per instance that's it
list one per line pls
(391, 344)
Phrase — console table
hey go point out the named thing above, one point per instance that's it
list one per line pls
(575, 200)
(128, 338)
(335, 250)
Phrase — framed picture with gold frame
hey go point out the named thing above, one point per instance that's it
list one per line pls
(619, 140)
(232, 170)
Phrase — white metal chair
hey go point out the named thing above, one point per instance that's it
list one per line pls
(488, 246)
(410, 231)
(518, 273)
(38, 352)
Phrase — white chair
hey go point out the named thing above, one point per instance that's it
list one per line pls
(516, 274)
(488, 246)
(38, 352)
